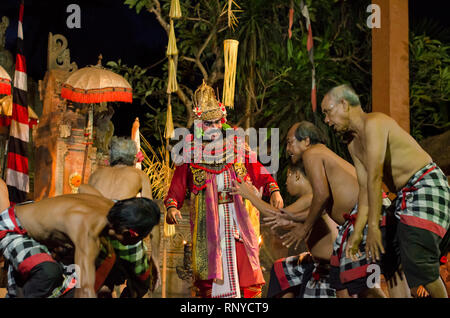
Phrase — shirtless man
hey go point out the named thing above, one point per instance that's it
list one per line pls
(28, 231)
(335, 191)
(383, 152)
(121, 180)
(293, 276)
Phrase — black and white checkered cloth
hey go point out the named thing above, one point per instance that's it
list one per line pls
(338, 257)
(426, 197)
(17, 247)
(301, 270)
(318, 285)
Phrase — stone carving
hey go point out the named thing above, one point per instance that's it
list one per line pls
(65, 130)
(50, 91)
(3, 26)
(58, 55)
(6, 58)
(104, 128)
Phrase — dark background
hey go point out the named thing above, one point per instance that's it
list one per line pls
(109, 27)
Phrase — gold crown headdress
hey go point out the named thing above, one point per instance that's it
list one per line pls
(206, 106)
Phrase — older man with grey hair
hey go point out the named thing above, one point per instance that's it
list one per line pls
(121, 180)
(383, 152)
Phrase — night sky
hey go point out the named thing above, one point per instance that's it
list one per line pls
(109, 27)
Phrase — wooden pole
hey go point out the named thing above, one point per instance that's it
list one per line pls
(164, 269)
(390, 61)
(88, 138)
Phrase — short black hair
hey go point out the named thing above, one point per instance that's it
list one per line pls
(308, 129)
(137, 214)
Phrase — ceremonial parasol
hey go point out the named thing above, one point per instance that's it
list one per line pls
(6, 112)
(91, 85)
(5, 82)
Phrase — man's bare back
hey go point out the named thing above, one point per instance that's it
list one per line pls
(78, 220)
(121, 182)
(326, 169)
(63, 219)
(403, 156)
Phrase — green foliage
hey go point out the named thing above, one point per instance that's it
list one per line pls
(277, 70)
(429, 86)
(149, 91)
(137, 4)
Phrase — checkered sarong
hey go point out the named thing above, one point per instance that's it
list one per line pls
(318, 286)
(424, 202)
(135, 255)
(349, 270)
(22, 253)
(300, 270)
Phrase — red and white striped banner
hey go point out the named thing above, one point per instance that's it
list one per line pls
(17, 177)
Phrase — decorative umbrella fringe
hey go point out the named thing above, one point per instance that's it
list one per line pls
(98, 96)
(5, 88)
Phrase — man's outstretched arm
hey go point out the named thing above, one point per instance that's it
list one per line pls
(363, 208)
(376, 143)
(86, 250)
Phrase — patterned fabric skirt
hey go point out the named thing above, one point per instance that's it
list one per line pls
(424, 202)
(22, 253)
(129, 262)
(423, 210)
(250, 282)
(301, 275)
(346, 273)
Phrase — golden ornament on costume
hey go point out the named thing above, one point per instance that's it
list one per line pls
(199, 176)
(240, 170)
(230, 58)
(206, 106)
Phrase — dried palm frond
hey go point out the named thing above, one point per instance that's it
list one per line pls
(232, 19)
(157, 166)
